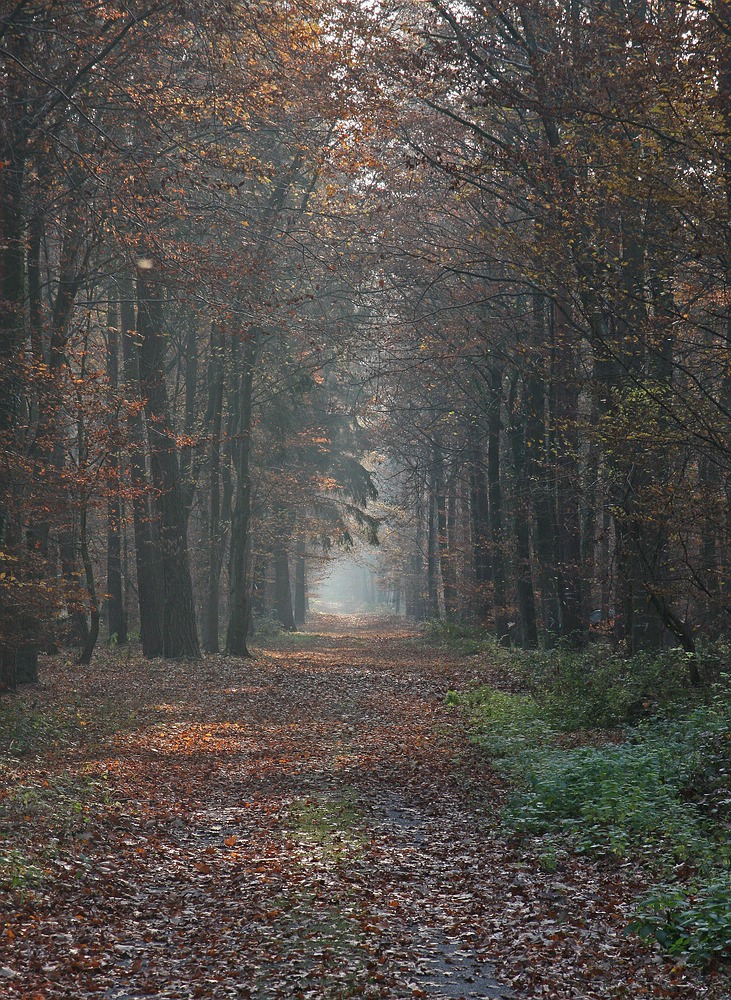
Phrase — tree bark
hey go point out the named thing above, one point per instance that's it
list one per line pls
(147, 556)
(215, 553)
(116, 617)
(240, 552)
(180, 634)
(574, 622)
(300, 584)
(432, 555)
(495, 497)
(283, 590)
(446, 556)
(521, 520)
(480, 530)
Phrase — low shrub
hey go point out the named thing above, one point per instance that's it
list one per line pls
(658, 792)
(696, 924)
(458, 636)
(598, 688)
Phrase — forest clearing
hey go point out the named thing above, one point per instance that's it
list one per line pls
(311, 823)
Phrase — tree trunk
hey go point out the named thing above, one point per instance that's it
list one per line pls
(180, 635)
(239, 582)
(215, 554)
(12, 237)
(495, 495)
(446, 555)
(116, 618)
(283, 590)
(432, 553)
(574, 622)
(300, 584)
(480, 530)
(93, 632)
(147, 557)
(521, 521)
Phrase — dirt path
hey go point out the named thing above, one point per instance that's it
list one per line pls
(297, 826)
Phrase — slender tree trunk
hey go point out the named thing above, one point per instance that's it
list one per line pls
(495, 494)
(418, 608)
(189, 468)
(215, 418)
(116, 618)
(283, 589)
(574, 622)
(239, 575)
(12, 248)
(300, 584)
(180, 635)
(93, 632)
(521, 519)
(432, 552)
(446, 560)
(147, 559)
(539, 466)
(480, 531)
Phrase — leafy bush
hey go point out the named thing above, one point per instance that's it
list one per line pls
(606, 797)
(598, 688)
(696, 924)
(457, 636)
(266, 625)
(611, 799)
(662, 793)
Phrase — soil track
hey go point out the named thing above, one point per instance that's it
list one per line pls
(307, 824)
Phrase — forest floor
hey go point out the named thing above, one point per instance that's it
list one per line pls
(308, 824)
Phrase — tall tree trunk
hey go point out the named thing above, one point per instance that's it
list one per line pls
(480, 532)
(180, 634)
(446, 560)
(300, 584)
(189, 468)
(521, 520)
(539, 466)
(116, 618)
(574, 622)
(432, 555)
(495, 496)
(12, 249)
(283, 589)
(215, 553)
(93, 631)
(240, 551)
(147, 556)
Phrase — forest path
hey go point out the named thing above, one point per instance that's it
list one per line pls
(290, 826)
(311, 824)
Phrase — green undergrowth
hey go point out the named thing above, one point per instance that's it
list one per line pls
(23, 730)
(619, 760)
(328, 828)
(61, 805)
(466, 639)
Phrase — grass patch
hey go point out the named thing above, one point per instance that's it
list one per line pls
(60, 807)
(324, 947)
(17, 872)
(595, 772)
(332, 826)
(24, 730)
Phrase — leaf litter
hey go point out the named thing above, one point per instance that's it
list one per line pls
(308, 824)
